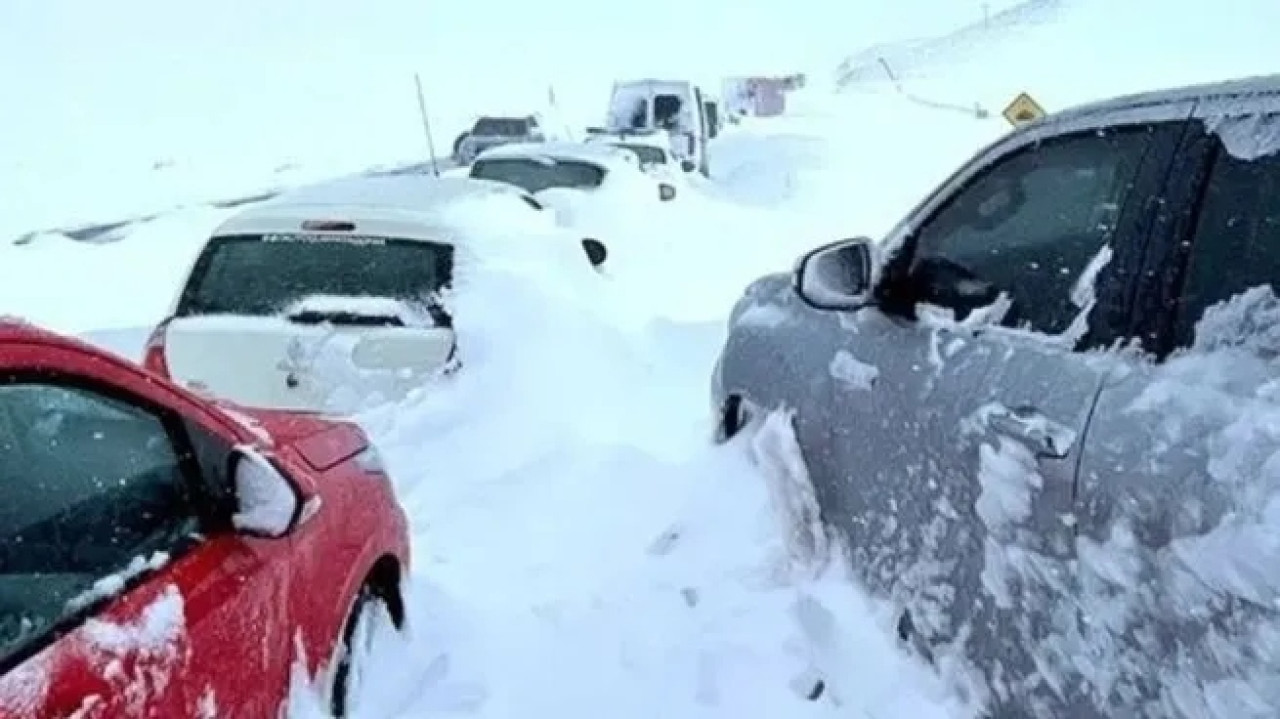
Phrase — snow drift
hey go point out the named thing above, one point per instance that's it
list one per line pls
(569, 458)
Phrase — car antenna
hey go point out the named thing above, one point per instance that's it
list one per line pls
(426, 125)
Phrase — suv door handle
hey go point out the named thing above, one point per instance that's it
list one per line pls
(1032, 428)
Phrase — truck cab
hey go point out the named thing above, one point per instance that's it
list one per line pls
(677, 107)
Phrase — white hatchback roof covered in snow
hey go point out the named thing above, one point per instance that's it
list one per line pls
(402, 206)
(595, 153)
(658, 139)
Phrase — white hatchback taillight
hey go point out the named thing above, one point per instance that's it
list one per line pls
(153, 352)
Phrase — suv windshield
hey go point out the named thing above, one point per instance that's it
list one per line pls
(499, 126)
(263, 274)
(537, 173)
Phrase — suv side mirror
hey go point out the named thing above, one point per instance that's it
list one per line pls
(839, 276)
(688, 165)
(267, 503)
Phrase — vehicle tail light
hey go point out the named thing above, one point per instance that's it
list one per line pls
(153, 358)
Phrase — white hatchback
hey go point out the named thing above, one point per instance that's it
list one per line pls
(595, 169)
(330, 288)
(651, 147)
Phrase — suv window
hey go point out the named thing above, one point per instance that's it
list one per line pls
(263, 274)
(501, 127)
(87, 484)
(1236, 244)
(1029, 227)
(534, 174)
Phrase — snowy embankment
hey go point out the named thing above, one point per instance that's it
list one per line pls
(1067, 52)
(581, 548)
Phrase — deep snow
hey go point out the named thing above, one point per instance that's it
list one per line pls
(580, 548)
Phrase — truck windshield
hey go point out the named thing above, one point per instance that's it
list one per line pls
(666, 111)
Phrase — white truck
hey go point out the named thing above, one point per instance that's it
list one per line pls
(678, 107)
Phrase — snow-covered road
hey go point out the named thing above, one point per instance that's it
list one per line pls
(578, 541)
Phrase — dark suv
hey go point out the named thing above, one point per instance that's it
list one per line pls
(1042, 415)
(494, 131)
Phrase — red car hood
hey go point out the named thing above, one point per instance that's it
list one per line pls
(322, 442)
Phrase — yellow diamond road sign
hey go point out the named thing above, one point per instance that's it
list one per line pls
(1023, 110)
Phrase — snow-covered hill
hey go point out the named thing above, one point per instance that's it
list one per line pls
(921, 58)
(1066, 52)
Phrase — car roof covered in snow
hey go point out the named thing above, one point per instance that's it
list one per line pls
(656, 138)
(402, 206)
(415, 191)
(1202, 101)
(604, 155)
(657, 84)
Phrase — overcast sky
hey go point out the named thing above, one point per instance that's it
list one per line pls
(72, 70)
(66, 37)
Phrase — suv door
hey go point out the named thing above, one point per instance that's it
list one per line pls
(945, 447)
(124, 592)
(1177, 483)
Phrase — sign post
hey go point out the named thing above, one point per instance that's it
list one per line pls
(426, 124)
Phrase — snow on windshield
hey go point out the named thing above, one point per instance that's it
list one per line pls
(1247, 137)
(408, 313)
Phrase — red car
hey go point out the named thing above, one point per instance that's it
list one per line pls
(165, 556)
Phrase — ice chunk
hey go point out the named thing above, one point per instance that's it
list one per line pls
(158, 629)
(207, 708)
(945, 318)
(1248, 137)
(1007, 472)
(852, 372)
(113, 584)
(410, 314)
(1250, 321)
(776, 451)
